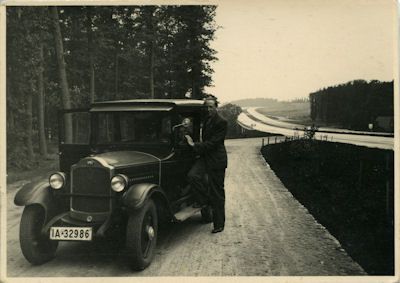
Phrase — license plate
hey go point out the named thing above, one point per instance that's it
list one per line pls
(71, 233)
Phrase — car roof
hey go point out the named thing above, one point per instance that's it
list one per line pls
(146, 105)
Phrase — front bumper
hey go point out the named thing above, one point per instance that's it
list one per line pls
(67, 219)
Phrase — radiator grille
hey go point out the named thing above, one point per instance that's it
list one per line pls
(90, 189)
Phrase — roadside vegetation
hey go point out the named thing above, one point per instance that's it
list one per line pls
(355, 105)
(348, 189)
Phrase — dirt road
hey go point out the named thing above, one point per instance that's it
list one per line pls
(268, 233)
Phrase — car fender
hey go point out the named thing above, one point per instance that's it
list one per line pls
(39, 193)
(136, 195)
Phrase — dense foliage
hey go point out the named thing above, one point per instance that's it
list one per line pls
(348, 189)
(61, 57)
(353, 105)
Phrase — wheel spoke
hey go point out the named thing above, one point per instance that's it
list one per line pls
(146, 251)
(148, 235)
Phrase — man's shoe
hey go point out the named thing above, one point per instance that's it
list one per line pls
(217, 230)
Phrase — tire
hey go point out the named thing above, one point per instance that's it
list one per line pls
(206, 214)
(141, 236)
(36, 248)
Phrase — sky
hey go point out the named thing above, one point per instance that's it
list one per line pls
(288, 49)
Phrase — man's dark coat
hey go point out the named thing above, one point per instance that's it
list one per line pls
(212, 148)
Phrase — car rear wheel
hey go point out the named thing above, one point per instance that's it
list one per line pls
(206, 214)
(141, 236)
(36, 248)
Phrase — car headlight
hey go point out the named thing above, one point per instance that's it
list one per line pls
(57, 180)
(119, 182)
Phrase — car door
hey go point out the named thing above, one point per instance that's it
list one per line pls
(176, 169)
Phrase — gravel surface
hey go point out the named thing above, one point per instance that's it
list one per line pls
(267, 233)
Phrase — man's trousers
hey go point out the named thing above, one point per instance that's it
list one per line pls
(214, 193)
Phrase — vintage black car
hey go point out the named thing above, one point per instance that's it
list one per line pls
(123, 167)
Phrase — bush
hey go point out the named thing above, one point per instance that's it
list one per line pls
(230, 112)
(17, 155)
(348, 189)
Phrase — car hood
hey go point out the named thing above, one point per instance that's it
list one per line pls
(125, 158)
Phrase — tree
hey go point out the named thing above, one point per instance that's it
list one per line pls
(43, 31)
(62, 73)
(89, 30)
(68, 57)
(354, 104)
(41, 103)
(189, 50)
(22, 44)
(230, 112)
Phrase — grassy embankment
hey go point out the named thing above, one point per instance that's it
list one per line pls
(294, 112)
(348, 189)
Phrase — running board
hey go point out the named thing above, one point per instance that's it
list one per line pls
(185, 213)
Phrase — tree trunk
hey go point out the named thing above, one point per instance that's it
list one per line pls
(62, 73)
(10, 112)
(91, 55)
(152, 68)
(92, 81)
(42, 135)
(28, 139)
(151, 57)
(116, 74)
(194, 85)
(10, 119)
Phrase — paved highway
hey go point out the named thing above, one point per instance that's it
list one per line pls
(251, 119)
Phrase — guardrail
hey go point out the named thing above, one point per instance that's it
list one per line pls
(280, 139)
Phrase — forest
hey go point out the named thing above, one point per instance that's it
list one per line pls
(68, 57)
(353, 105)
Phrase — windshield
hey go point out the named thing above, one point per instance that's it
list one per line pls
(133, 127)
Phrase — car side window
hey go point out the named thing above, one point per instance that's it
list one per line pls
(134, 127)
(128, 127)
(166, 132)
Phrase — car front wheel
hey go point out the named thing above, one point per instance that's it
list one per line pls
(141, 236)
(36, 248)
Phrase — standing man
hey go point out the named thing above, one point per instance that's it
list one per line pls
(213, 161)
